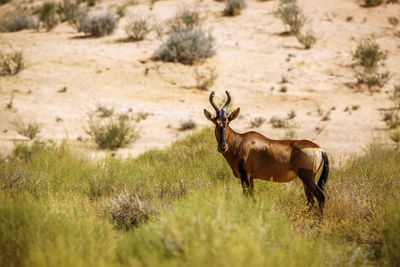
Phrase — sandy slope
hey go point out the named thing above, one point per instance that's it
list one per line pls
(251, 58)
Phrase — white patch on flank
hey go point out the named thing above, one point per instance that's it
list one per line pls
(314, 154)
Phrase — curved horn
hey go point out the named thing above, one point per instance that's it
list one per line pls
(227, 101)
(212, 101)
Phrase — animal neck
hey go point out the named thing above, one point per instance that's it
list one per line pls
(232, 138)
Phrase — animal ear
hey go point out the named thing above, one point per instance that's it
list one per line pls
(208, 115)
(234, 114)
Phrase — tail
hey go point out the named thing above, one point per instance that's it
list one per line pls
(325, 171)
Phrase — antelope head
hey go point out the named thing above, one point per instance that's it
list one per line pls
(221, 121)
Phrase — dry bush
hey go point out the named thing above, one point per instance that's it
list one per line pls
(112, 133)
(127, 209)
(307, 40)
(30, 130)
(98, 25)
(19, 21)
(205, 79)
(137, 29)
(291, 15)
(257, 122)
(372, 3)
(187, 125)
(185, 19)
(48, 15)
(368, 53)
(234, 7)
(11, 61)
(71, 12)
(186, 46)
(369, 56)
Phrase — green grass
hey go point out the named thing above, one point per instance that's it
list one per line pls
(58, 207)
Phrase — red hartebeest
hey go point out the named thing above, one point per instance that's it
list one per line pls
(254, 156)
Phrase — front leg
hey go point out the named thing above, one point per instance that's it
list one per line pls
(247, 184)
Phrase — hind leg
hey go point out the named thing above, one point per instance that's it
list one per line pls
(310, 197)
(307, 177)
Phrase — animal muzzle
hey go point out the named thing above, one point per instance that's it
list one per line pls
(222, 148)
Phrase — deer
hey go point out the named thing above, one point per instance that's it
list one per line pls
(251, 156)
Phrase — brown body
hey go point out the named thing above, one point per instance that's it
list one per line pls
(254, 156)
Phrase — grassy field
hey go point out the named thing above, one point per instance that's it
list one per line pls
(182, 207)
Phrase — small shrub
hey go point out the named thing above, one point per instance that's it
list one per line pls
(111, 133)
(120, 11)
(2, 2)
(234, 7)
(11, 62)
(105, 112)
(278, 122)
(98, 25)
(186, 46)
(20, 21)
(371, 78)
(291, 15)
(185, 19)
(187, 125)
(283, 89)
(307, 40)
(372, 3)
(291, 115)
(71, 12)
(30, 130)
(48, 15)
(396, 93)
(393, 21)
(395, 135)
(392, 119)
(137, 29)
(257, 122)
(127, 209)
(368, 53)
(205, 80)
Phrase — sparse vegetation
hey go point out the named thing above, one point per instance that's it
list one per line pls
(372, 3)
(393, 21)
(392, 119)
(71, 12)
(185, 19)
(187, 125)
(137, 29)
(48, 15)
(105, 112)
(186, 46)
(291, 15)
(98, 25)
(234, 7)
(308, 40)
(369, 55)
(278, 122)
(257, 122)
(19, 21)
(112, 133)
(127, 209)
(205, 79)
(29, 130)
(2, 2)
(187, 40)
(395, 135)
(11, 61)
(283, 89)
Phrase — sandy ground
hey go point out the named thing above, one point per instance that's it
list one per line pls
(252, 56)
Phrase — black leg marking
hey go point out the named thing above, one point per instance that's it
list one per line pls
(247, 184)
(307, 177)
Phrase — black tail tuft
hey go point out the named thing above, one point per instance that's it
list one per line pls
(325, 171)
